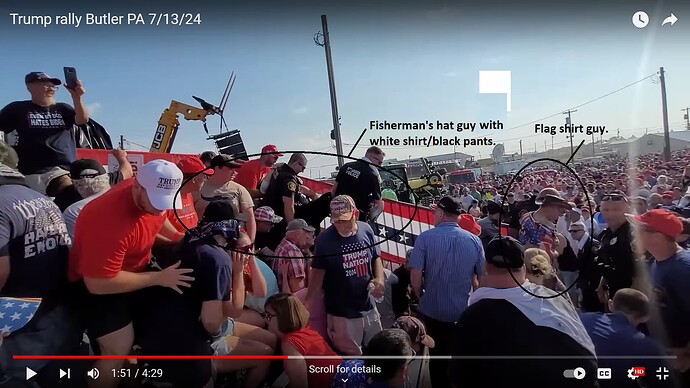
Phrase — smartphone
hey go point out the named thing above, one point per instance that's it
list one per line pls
(70, 77)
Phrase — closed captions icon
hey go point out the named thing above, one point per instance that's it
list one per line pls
(604, 373)
(640, 19)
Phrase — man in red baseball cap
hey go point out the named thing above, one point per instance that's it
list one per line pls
(669, 270)
(252, 172)
(187, 218)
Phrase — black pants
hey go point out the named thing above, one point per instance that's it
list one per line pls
(438, 369)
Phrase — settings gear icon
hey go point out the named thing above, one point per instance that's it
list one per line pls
(631, 374)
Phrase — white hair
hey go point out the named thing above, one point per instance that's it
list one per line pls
(92, 186)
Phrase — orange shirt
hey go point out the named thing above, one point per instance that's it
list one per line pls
(112, 234)
(251, 173)
(187, 214)
(310, 343)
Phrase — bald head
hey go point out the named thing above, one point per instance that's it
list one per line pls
(632, 303)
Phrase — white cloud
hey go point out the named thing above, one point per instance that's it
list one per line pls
(94, 107)
(312, 144)
(301, 110)
(451, 74)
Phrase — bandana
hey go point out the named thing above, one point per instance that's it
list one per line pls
(229, 229)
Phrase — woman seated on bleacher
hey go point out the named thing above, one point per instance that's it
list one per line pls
(254, 305)
(289, 320)
(241, 339)
(198, 321)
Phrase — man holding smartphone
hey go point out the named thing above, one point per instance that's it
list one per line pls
(46, 147)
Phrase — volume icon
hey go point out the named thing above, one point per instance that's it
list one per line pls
(93, 373)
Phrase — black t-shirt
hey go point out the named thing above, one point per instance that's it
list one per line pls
(67, 197)
(400, 291)
(349, 266)
(284, 183)
(34, 236)
(172, 315)
(45, 135)
(567, 261)
(495, 327)
(616, 257)
(358, 180)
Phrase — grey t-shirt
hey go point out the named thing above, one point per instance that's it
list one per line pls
(70, 214)
(34, 236)
(386, 307)
(489, 230)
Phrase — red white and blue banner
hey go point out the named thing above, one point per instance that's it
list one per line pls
(15, 313)
(396, 228)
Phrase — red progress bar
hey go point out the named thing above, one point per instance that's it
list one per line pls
(150, 357)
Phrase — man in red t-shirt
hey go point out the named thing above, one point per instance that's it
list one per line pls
(192, 180)
(252, 172)
(113, 237)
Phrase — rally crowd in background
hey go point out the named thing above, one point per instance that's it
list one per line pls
(210, 256)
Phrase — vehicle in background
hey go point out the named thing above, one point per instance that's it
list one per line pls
(462, 177)
(425, 189)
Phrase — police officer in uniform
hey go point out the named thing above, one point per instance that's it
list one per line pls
(361, 181)
(283, 195)
(617, 260)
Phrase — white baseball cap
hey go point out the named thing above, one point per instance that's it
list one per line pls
(162, 180)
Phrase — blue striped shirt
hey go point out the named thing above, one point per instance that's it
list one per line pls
(449, 255)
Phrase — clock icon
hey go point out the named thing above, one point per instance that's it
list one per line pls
(640, 19)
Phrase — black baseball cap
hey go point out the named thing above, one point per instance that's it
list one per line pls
(493, 207)
(224, 160)
(450, 205)
(39, 76)
(220, 210)
(86, 168)
(505, 252)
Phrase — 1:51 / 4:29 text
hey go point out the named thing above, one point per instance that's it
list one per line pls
(124, 373)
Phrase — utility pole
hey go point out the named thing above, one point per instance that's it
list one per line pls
(551, 143)
(686, 116)
(520, 148)
(568, 123)
(664, 111)
(122, 142)
(331, 82)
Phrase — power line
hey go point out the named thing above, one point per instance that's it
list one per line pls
(136, 144)
(578, 106)
(538, 120)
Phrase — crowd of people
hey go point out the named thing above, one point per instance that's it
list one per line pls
(213, 257)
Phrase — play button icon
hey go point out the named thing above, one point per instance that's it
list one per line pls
(579, 373)
(30, 373)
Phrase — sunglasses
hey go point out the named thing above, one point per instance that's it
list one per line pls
(577, 230)
(614, 197)
(268, 316)
(246, 249)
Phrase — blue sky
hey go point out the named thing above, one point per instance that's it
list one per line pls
(414, 64)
